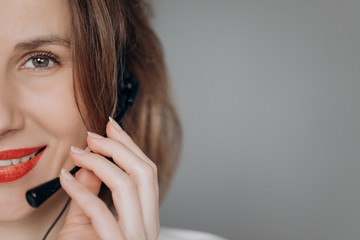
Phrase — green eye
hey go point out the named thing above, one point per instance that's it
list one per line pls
(39, 62)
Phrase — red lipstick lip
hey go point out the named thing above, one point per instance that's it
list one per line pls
(18, 153)
(14, 172)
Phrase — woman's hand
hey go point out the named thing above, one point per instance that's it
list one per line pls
(132, 180)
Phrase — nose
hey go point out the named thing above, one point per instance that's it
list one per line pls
(10, 119)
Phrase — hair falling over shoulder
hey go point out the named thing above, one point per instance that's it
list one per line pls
(103, 32)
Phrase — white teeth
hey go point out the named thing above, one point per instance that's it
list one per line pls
(25, 159)
(15, 161)
(4, 163)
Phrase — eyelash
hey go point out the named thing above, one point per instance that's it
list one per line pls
(41, 54)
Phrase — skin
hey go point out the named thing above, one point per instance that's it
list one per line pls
(37, 107)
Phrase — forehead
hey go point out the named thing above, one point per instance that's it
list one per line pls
(27, 19)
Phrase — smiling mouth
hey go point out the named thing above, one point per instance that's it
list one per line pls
(16, 161)
(15, 164)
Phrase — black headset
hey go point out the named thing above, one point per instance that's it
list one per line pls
(127, 89)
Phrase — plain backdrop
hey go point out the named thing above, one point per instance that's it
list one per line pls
(268, 94)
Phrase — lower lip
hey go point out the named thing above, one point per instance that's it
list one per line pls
(14, 172)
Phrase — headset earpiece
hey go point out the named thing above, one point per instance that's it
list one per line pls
(127, 90)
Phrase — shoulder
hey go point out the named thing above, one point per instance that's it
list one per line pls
(184, 234)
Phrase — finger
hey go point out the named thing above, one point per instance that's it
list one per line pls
(91, 182)
(114, 131)
(144, 174)
(100, 216)
(123, 188)
(150, 209)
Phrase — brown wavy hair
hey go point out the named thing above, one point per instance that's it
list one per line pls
(104, 31)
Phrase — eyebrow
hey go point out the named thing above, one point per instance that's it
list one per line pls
(34, 43)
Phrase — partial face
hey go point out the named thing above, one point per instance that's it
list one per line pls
(37, 105)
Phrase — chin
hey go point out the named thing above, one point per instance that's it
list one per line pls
(13, 205)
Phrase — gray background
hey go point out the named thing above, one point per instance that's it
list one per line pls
(268, 93)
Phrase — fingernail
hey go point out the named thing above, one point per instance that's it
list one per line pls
(94, 135)
(66, 174)
(76, 150)
(115, 124)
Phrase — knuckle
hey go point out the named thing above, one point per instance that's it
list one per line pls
(155, 169)
(148, 171)
(153, 166)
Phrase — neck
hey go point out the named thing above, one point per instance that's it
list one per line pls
(37, 224)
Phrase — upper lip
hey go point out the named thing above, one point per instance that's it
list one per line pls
(18, 153)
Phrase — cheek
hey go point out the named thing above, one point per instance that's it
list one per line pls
(54, 112)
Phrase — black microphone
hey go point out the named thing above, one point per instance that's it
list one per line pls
(127, 91)
(36, 196)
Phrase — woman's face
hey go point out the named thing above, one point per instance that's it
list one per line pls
(37, 105)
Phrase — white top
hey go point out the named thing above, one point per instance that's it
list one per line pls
(184, 234)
